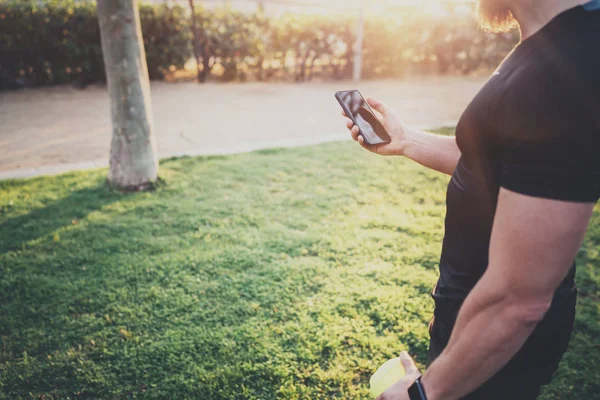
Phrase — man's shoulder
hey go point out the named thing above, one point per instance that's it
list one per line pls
(563, 57)
(554, 76)
(553, 93)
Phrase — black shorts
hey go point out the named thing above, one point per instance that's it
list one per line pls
(532, 366)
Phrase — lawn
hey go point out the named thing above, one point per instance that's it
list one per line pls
(278, 274)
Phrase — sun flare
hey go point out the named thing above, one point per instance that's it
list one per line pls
(379, 7)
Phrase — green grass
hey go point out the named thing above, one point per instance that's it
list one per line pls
(279, 274)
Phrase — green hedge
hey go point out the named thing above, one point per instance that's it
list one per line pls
(58, 41)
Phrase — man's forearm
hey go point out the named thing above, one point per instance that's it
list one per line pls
(491, 327)
(437, 152)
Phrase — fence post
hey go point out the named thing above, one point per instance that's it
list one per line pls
(358, 45)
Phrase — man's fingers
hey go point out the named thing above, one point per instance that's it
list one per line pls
(355, 132)
(344, 114)
(408, 363)
(377, 105)
(361, 141)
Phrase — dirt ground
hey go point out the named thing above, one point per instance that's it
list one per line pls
(51, 130)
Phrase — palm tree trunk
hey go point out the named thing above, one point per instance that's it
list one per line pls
(133, 160)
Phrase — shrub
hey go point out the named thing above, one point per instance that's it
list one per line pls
(167, 38)
(58, 41)
(52, 43)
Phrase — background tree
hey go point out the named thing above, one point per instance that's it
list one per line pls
(133, 160)
(195, 40)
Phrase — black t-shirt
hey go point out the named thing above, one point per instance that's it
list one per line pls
(534, 128)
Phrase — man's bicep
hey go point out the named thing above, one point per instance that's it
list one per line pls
(534, 242)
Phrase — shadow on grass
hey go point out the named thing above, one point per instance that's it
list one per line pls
(16, 232)
(48, 303)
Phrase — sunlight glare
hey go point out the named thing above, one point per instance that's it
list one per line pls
(435, 8)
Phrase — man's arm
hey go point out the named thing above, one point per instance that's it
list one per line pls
(534, 242)
(436, 152)
(440, 153)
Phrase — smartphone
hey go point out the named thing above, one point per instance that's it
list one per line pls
(359, 111)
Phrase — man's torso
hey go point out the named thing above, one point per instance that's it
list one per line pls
(543, 102)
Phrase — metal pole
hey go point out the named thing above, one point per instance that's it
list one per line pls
(358, 45)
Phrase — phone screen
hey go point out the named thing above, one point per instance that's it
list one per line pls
(372, 130)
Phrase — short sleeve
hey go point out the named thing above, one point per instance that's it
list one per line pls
(552, 179)
(548, 137)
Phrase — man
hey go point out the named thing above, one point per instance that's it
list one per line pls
(525, 168)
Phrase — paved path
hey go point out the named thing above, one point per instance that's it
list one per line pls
(53, 130)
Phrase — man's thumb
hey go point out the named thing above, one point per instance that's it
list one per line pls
(377, 105)
(408, 363)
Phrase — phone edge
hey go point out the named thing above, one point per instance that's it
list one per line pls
(351, 117)
(349, 114)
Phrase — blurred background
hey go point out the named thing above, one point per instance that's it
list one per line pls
(58, 41)
(282, 61)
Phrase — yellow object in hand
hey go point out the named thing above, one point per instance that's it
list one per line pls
(388, 374)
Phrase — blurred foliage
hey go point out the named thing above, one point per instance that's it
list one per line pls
(48, 44)
(421, 43)
(167, 38)
(229, 38)
(58, 41)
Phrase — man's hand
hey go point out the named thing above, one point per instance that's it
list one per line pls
(392, 124)
(399, 391)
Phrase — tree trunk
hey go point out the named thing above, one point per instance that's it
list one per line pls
(195, 41)
(310, 67)
(261, 71)
(133, 160)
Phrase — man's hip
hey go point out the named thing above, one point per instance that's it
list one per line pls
(532, 366)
